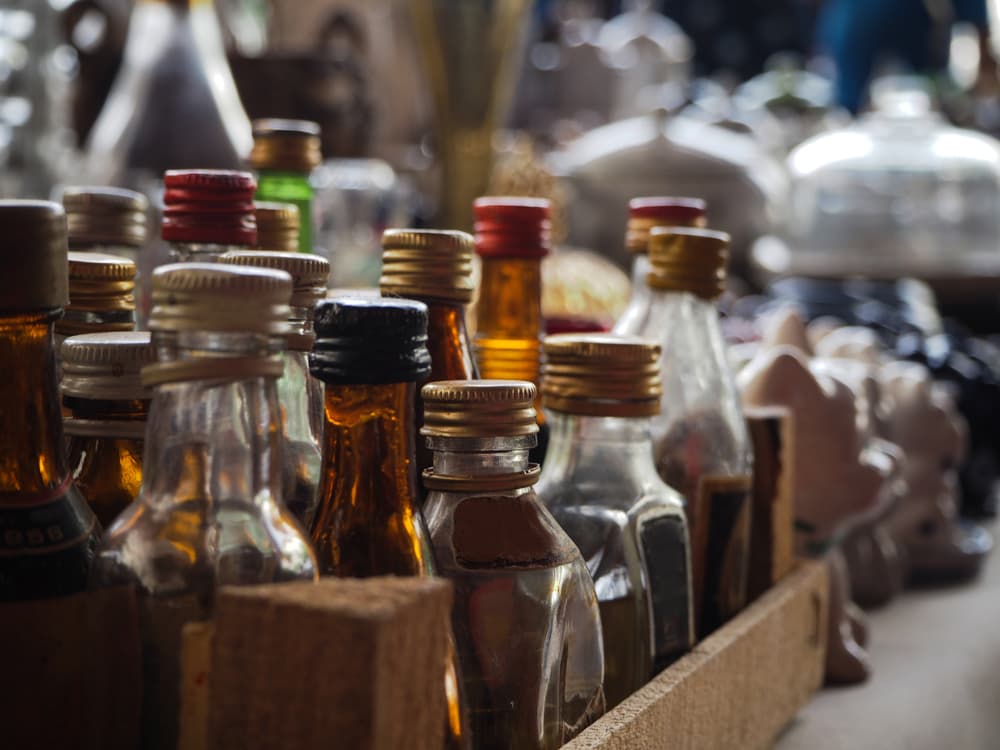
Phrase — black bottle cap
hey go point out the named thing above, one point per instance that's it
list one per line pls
(361, 341)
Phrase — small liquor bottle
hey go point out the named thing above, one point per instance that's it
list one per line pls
(525, 613)
(700, 440)
(101, 295)
(105, 220)
(207, 213)
(284, 154)
(49, 532)
(434, 267)
(299, 394)
(277, 226)
(107, 406)
(209, 513)
(600, 483)
(512, 237)
(643, 215)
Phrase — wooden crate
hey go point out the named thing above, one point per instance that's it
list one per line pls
(739, 687)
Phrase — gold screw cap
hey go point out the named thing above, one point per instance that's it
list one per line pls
(601, 375)
(106, 366)
(479, 409)
(277, 226)
(99, 284)
(660, 211)
(286, 145)
(688, 259)
(33, 267)
(427, 264)
(105, 216)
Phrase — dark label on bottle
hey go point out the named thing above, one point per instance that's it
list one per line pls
(663, 546)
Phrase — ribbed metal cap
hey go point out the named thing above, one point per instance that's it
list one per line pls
(105, 216)
(512, 227)
(101, 294)
(106, 366)
(370, 341)
(688, 260)
(479, 408)
(601, 375)
(286, 145)
(33, 266)
(277, 226)
(427, 264)
(212, 206)
(309, 272)
(660, 211)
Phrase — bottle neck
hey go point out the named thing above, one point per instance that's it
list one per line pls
(193, 252)
(31, 441)
(102, 418)
(510, 299)
(448, 342)
(293, 394)
(578, 443)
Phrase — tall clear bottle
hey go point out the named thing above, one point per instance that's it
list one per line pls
(434, 267)
(600, 483)
(106, 406)
(49, 533)
(207, 213)
(525, 614)
(700, 439)
(299, 394)
(210, 512)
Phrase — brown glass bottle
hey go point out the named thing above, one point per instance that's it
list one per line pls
(49, 534)
(106, 424)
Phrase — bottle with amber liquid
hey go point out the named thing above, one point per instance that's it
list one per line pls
(101, 295)
(643, 215)
(105, 220)
(207, 212)
(49, 533)
(106, 407)
(300, 395)
(700, 439)
(513, 235)
(525, 613)
(209, 512)
(600, 483)
(434, 267)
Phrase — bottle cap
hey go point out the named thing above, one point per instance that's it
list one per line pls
(509, 359)
(370, 341)
(33, 266)
(106, 366)
(660, 211)
(105, 216)
(286, 145)
(277, 226)
(512, 227)
(427, 264)
(211, 206)
(479, 409)
(687, 259)
(101, 294)
(601, 375)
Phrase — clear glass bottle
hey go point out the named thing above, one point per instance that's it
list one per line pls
(285, 152)
(512, 238)
(643, 215)
(601, 485)
(101, 296)
(700, 438)
(277, 226)
(299, 394)
(105, 220)
(208, 212)
(210, 511)
(107, 407)
(434, 267)
(49, 532)
(525, 614)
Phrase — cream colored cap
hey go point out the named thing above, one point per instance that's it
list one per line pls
(106, 366)
(309, 272)
(427, 264)
(687, 259)
(105, 216)
(479, 408)
(277, 226)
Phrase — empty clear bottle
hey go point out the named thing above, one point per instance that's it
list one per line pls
(600, 482)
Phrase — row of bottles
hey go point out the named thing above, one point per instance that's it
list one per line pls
(261, 432)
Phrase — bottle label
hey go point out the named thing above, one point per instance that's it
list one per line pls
(720, 526)
(663, 547)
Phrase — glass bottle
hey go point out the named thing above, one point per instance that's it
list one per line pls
(277, 226)
(512, 237)
(601, 485)
(207, 213)
(49, 533)
(525, 614)
(210, 512)
(105, 220)
(107, 408)
(643, 215)
(285, 152)
(299, 394)
(700, 439)
(101, 296)
(434, 267)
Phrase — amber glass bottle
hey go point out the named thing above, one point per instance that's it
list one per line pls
(107, 405)
(512, 237)
(101, 295)
(277, 226)
(49, 533)
(434, 267)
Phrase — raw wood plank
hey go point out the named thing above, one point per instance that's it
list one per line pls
(739, 687)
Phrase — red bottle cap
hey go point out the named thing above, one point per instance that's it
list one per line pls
(685, 210)
(512, 227)
(210, 206)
